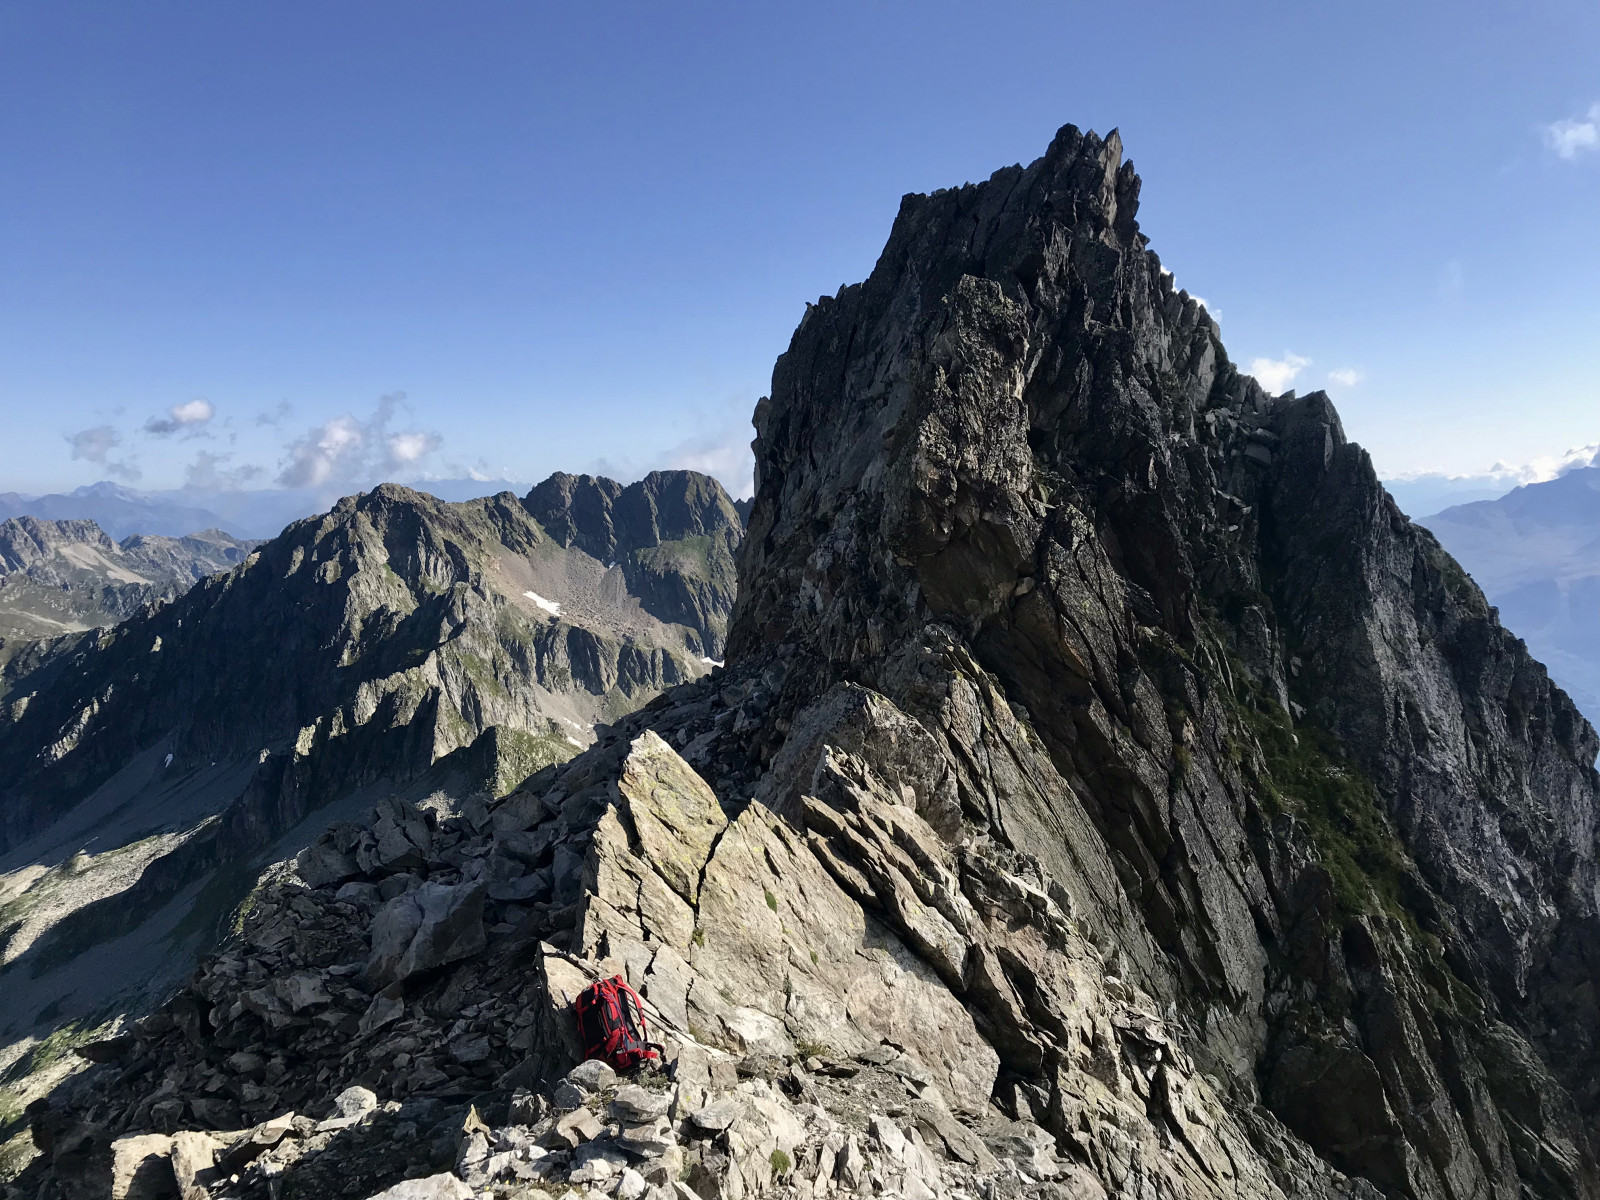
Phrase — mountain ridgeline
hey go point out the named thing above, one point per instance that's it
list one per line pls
(1536, 553)
(149, 766)
(1109, 792)
(61, 577)
(673, 534)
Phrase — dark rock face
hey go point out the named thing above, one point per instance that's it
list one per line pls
(1016, 441)
(673, 534)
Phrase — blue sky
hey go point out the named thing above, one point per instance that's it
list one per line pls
(269, 243)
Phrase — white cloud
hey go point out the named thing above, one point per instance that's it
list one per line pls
(96, 444)
(1550, 466)
(727, 457)
(409, 447)
(348, 452)
(1573, 136)
(208, 473)
(1215, 314)
(194, 415)
(1276, 374)
(1537, 470)
(93, 445)
(1345, 377)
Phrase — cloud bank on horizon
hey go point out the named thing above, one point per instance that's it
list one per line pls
(352, 452)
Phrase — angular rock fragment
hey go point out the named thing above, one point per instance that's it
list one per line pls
(633, 1103)
(427, 928)
(141, 1168)
(444, 1186)
(675, 814)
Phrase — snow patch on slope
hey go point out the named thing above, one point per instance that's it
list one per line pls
(549, 606)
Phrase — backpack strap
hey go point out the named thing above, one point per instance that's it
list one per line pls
(623, 988)
(638, 1008)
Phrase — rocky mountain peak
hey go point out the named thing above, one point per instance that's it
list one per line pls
(1004, 321)
(395, 642)
(1015, 473)
(672, 533)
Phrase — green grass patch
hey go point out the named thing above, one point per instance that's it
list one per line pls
(53, 1048)
(16, 1152)
(10, 1110)
(1307, 777)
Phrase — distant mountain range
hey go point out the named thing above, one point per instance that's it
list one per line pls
(263, 513)
(1430, 493)
(1536, 554)
(59, 577)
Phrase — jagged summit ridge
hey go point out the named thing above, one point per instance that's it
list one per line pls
(1016, 440)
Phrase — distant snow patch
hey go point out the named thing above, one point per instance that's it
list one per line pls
(715, 662)
(550, 606)
(575, 741)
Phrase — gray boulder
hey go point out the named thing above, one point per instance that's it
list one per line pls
(433, 925)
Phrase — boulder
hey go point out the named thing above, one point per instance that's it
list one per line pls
(674, 812)
(193, 1155)
(141, 1168)
(426, 928)
(443, 1186)
(350, 1107)
(592, 1075)
(556, 1047)
(322, 864)
(633, 1103)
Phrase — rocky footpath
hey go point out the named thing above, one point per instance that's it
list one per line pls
(1109, 792)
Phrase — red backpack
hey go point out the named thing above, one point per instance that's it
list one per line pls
(611, 1020)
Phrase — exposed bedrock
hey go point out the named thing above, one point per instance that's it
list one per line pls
(1172, 638)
